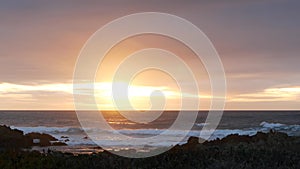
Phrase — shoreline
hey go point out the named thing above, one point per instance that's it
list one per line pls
(64, 145)
(262, 150)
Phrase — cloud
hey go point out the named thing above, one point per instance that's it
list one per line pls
(59, 95)
(257, 41)
(6, 88)
(270, 95)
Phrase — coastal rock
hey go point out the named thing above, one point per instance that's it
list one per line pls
(44, 139)
(259, 138)
(263, 150)
(12, 139)
(15, 139)
(58, 144)
(193, 140)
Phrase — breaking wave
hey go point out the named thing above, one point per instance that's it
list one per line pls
(77, 136)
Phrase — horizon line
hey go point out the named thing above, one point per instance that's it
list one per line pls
(152, 110)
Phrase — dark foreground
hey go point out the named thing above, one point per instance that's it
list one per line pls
(264, 150)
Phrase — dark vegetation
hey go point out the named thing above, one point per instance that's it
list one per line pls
(263, 150)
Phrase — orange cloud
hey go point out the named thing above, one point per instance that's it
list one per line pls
(270, 95)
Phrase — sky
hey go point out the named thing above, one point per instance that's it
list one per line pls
(257, 41)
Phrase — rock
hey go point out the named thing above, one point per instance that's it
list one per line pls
(235, 138)
(44, 139)
(13, 138)
(193, 140)
(58, 144)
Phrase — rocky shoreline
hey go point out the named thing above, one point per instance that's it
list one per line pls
(263, 150)
(13, 139)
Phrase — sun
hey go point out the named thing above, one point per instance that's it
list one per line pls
(139, 96)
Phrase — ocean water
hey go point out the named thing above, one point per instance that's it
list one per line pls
(65, 126)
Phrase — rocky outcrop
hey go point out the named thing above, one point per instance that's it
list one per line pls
(39, 139)
(12, 138)
(263, 150)
(15, 139)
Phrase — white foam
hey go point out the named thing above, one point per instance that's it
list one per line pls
(271, 125)
(201, 124)
(289, 129)
(76, 134)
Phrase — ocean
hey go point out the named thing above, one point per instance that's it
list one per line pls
(65, 126)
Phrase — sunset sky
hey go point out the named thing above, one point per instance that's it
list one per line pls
(257, 41)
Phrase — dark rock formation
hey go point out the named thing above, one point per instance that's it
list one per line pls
(43, 139)
(15, 139)
(58, 144)
(12, 138)
(263, 150)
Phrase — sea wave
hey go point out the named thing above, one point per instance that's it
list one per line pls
(271, 125)
(201, 124)
(281, 127)
(77, 136)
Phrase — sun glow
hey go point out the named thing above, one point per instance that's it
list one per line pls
(139, 96)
